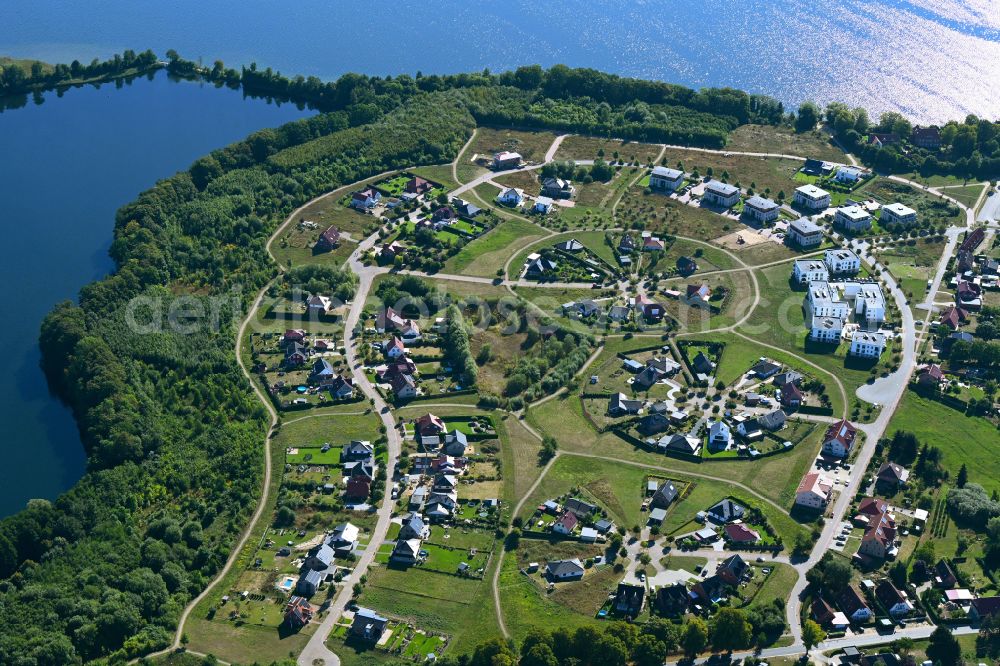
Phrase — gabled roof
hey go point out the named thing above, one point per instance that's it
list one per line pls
(740, 533)
(888, 595)
(726, 510)
(841, 432)
(430, 424)
(560, 568)
(850, 601)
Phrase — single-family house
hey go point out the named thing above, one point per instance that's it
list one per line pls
(653, 244)
(358, 488)
(848, 175)
(368, 625)
(686, 266)
(725, 511)
(930, 375)
(413, 527)
(389, 251)
(814, 167)
(563, 570)
(581, 508)
(444, 216)
(365, 199)
(455, 443)
(654, 423)
(557, 188)
(295, 355)
(341, 387)
(322, 370)
(344, 539)
(572, 246)
(672, 600)
(666, 179)
(787, 377)
(765, 369)
(698, 295)
(892, 475)
(403, 386)
(298, 613)
(466, 209)
(721, 194)
(511, 196)
(328, 240)
(790, 395)
(418, 186)
(566, 523)
(309, 583)
(319, 558)
(853, 605)
(719, 435)
(626, 244)
(357, 449)
(680, 444)
(665, 494)
(826, 616)
(740, 533)
(984, 608)
(539, 267)
(621, 404)
(749, 429)
(710, 590)
(651, 310)
(543, 205)
(629, 599)
(406, 551)
(702, 364)
(894, 601)
(811, 198)
(944, 575)
(760, 209)
(774, 420)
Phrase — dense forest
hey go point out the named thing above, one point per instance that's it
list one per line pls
(173, 434)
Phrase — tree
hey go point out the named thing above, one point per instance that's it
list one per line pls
(649, 651)
(695, 637)
(944, 648)
(809, 115)
(812, 635)
(730, 630)
(963, 476)
(539, 655)
(897, 572)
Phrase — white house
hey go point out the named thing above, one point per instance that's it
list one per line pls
(814, 491)
(826, 329)
(842, 262)
(852, 218)
(867, 344)
(869, 302)
(511, 196)
(543, 205)
(663, 178)
(809, 270)
(897, 213)
(839, 439)
(823, 299)
(812, 197)
(848, 175)
(721, 194)
(719, 436)
(760, 209)
(804, 233)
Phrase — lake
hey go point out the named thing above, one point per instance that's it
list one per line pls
(68, 164)
(65, 167)
(932, 59)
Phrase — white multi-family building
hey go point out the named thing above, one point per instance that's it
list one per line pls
(829, 304)
(867, 344)
(809, 270)
(663, 178)
(842, 262)
(869, 302)
(853, 218)
(814, 491)
(721, 194)
(897, 213)
(812, 197)
(760, 209)
(804, 233)
(826, 329)
(824, 299)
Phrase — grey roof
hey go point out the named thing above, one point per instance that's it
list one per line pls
(665, 172)
(665, 494)
(761, 203)
(727, 510)
(772, 420)
(323, 554)
(560, 568)
(804, 226)
(456, 435)
(720, 188)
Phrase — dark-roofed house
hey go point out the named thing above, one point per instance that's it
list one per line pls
(298, 613)
(686, 265)
(702, 364)
(711, 590)
(725, 511)
(983, 608)
(540, 267)
(824, 614)
(579, 507)
(622, 404)
(853, 605)
(466, 209)
(403, 386)
(926, 137)
(342, 386)
(562, 570)
(664, 495)
(764, 369)
(309, 583)
(791, 396)
(930, 375)
(413, 527)
(557, 188)
(358, 488)
(406, 551)
(455, 443)
(654, 423)
(787, 377)
(328, 240)
(295, 355)
(892, 599)
(319, 558)
(647, 378)
(629, 599)
(418, 186)
(732, 569)
(368, 625)
(944, 575)
(973, 239)
(357, 449)
(445, 215)
(672, 599)
(892, 474)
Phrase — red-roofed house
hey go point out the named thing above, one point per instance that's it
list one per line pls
(429, 425)
(365, 199)
(740, 533)
(953, 317)
(791, 395)
(329, 239)
(973, 240)
(931, 375)
(814, 491)
(566, 523)
(839, 439)
(418, 186)
(358, 487)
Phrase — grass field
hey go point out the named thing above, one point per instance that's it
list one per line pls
(531, 145)
(487, 254)
(593, 240)
(931, 210)
(967, 195)
(587, 148)
(659, 213)
(708, 258)
(936, 424)
(771, 174)
(770, 139)
(440, 173)
(734, 307)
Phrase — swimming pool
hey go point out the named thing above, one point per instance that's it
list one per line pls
(286, 583)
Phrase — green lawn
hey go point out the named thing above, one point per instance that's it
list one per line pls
(771, 139)
(487, 254)
(962, 439)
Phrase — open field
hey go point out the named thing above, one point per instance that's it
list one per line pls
(484, 256)
(770, 139)
(531, 145)
(734, 305)
(593, 240)
(967, 195)
(936, 424)
(588, 148)
(659, 213)
(776, 175)
(931, 210)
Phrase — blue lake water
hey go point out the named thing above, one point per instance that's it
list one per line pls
(933, 59)
(66, 165)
